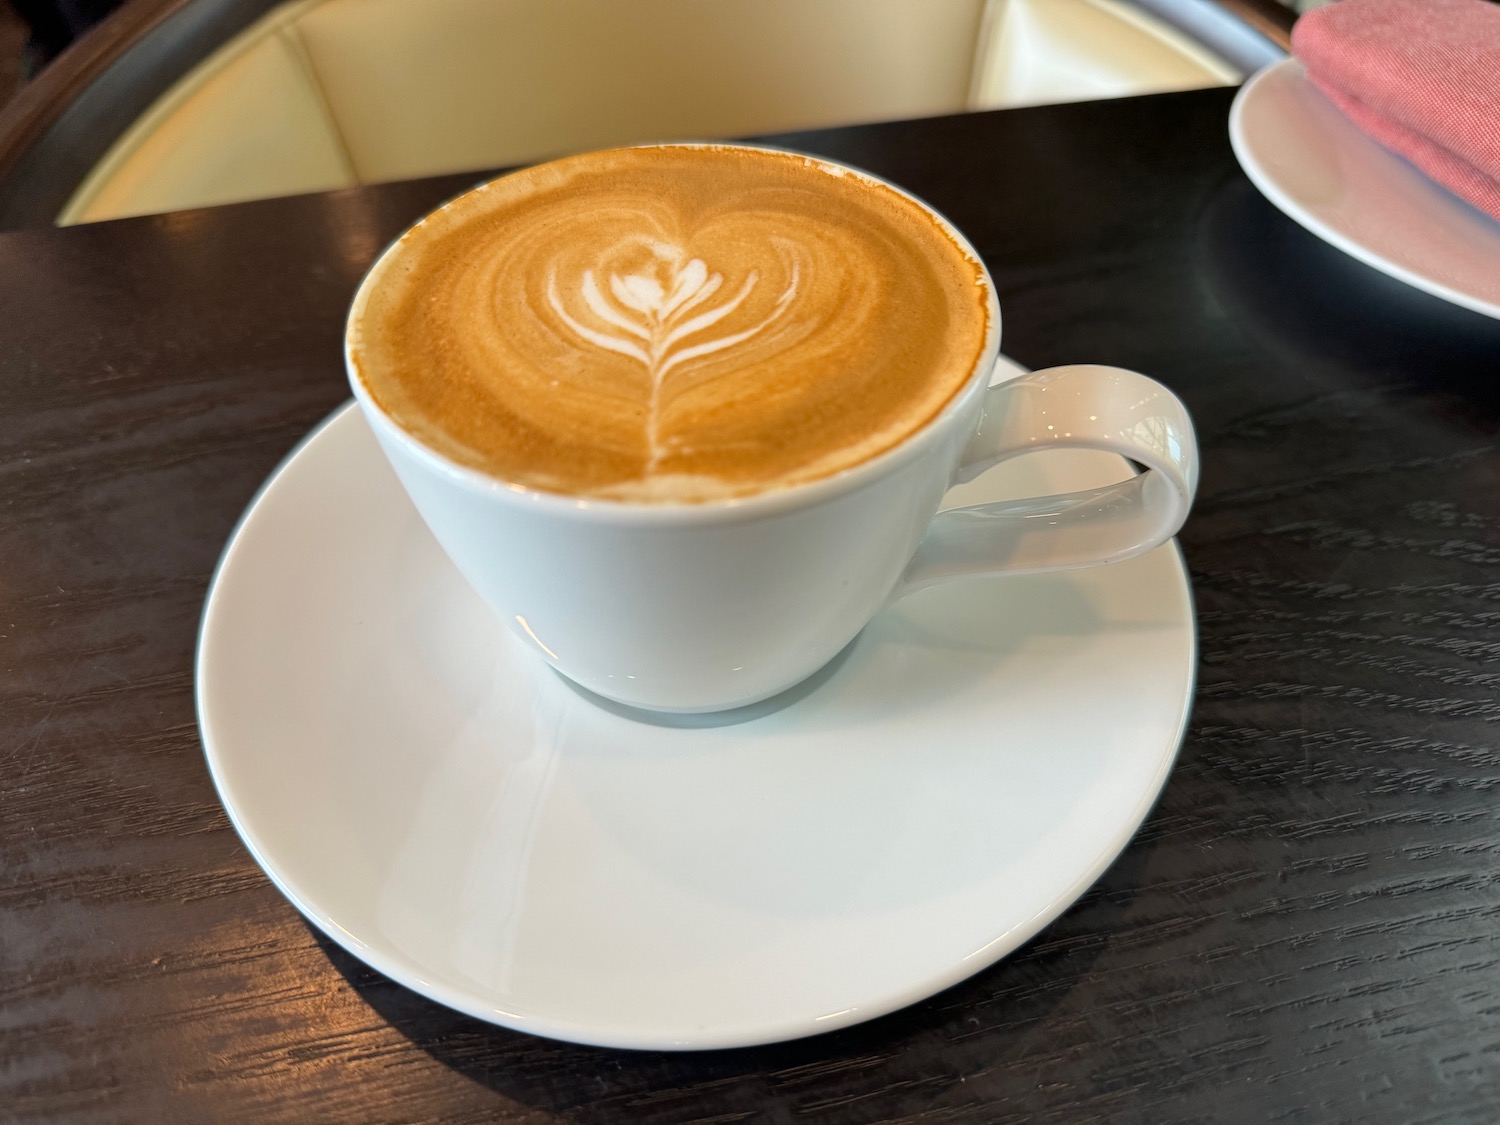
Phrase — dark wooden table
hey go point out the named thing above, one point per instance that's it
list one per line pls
(1306, 929)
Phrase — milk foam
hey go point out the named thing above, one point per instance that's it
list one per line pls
(670, 324)
(662, 317)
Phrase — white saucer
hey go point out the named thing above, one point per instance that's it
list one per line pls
(459, 817)
(1317, 166)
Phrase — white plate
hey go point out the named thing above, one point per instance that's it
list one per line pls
(456, 815)
(1317, 166)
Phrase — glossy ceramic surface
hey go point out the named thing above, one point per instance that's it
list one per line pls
(1317, 166)
(699, 607)
(466, 821)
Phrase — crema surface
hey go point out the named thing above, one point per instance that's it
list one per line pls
(670, 324)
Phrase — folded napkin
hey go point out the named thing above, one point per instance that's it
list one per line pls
(1420, 76)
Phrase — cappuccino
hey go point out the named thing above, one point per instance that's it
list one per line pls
(671, 324)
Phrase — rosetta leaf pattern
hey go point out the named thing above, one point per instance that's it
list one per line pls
(663, 316)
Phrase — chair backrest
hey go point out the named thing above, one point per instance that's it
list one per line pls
(320, 94)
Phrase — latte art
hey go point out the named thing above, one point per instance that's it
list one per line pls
(661, 305)
(671, 324)
(664, 316)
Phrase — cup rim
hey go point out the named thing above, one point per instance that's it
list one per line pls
(742, 508)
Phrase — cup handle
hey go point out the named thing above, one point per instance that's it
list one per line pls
(1080, 407)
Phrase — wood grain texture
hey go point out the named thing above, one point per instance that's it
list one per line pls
(1307, 928)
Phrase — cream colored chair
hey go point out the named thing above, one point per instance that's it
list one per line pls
(322, 94)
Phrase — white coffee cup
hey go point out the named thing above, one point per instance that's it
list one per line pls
(715, 605)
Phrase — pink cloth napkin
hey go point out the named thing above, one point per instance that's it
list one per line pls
(1420, 76)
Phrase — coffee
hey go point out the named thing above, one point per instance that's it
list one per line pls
(670, 324)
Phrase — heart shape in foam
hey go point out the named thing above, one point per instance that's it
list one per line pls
(665, 299)
(730, 292)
